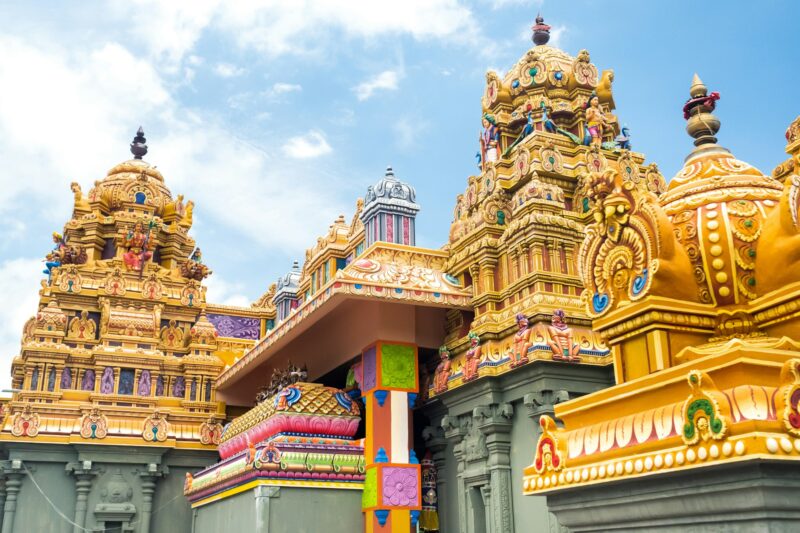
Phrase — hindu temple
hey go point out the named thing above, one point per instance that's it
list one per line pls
(595, 347)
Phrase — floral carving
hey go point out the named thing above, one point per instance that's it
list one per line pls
(550, 449)
(210, 431)
(25, 423)
(787, 399)
(94, 424)
(155, 428)
(400, 486)
(705, 411)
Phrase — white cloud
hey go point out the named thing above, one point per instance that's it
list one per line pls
(386, 80)
(19, 283)
(274, 30)
(308, 146)
(407, 132)
(282, 88)
(227, 70)
(557, 35)
(223, 292)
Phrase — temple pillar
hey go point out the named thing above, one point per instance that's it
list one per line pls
(149, 478)
(262, 496)
(14, 472)
(494, 421)
(84, 473)
(392, 488)
(455, 430)
(543, 402)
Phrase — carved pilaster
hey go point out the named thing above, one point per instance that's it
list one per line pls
(84, 474)
(149, 477)
(14, 472)
(495, 422)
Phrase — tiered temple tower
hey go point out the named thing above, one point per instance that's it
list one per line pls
(696, 291)
(119, 364)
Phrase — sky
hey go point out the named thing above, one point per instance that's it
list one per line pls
(275, 116)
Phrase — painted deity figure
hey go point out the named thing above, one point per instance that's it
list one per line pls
(66, 378)
(561, 339)
(490, 139)
(522, 342)
(179, 387)
(596, 120)
(194, 268)
(144, 384)
(53, 259)
(473, 357)
(137, 242)
(87, 383)
(442, 371)
(107, 381)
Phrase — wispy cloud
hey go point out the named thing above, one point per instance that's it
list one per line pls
(227, 70)
(407, 132)
(385, 81)
(308, 146)
(283, 88)
(19, 279)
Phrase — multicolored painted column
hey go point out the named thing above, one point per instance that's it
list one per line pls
(391, 500)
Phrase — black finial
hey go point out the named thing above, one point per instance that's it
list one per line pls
(296, 265)
(138, 146)
(541, 31)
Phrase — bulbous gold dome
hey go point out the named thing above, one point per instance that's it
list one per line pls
(131, 184)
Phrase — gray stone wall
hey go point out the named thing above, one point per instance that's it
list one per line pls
(482, 436)
(266, 509)
(93, 486)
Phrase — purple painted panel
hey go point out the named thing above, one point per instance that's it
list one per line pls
(370, 378)
(400, 486)
(238, 327)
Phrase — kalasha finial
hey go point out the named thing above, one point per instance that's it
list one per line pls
(296, 265)
(390, 172)
(698, 112)
(541, 31)
(138, 146)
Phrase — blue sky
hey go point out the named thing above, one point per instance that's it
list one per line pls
(275, 118)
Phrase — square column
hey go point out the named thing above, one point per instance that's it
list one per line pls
(392, 488)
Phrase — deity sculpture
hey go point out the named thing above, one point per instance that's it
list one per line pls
(442, 371)
(522, 342)
(193, 268)
(179, 387)
(53, 259)
(143, 388)
(107, 381)
(82, 328)
(160, 386)
(87, 383)
(526, 130)
(472, 357)
(596, 121)
(81, 205)
(137, 243)
(561, 339)
(490, 139)
(173, 210)
(66, 378)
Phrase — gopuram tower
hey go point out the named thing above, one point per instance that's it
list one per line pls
(115, 380)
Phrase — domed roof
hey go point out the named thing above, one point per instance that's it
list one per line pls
(545, 69)
(718, 205)
(390, 194)
(288, 283)
(133, 184)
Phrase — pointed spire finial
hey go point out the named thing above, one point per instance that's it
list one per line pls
(541, 31)
(296, 265)
(698, 112)
(139, 146)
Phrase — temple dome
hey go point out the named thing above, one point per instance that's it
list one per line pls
(718, 205)
(133, 184)
(390, 193)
